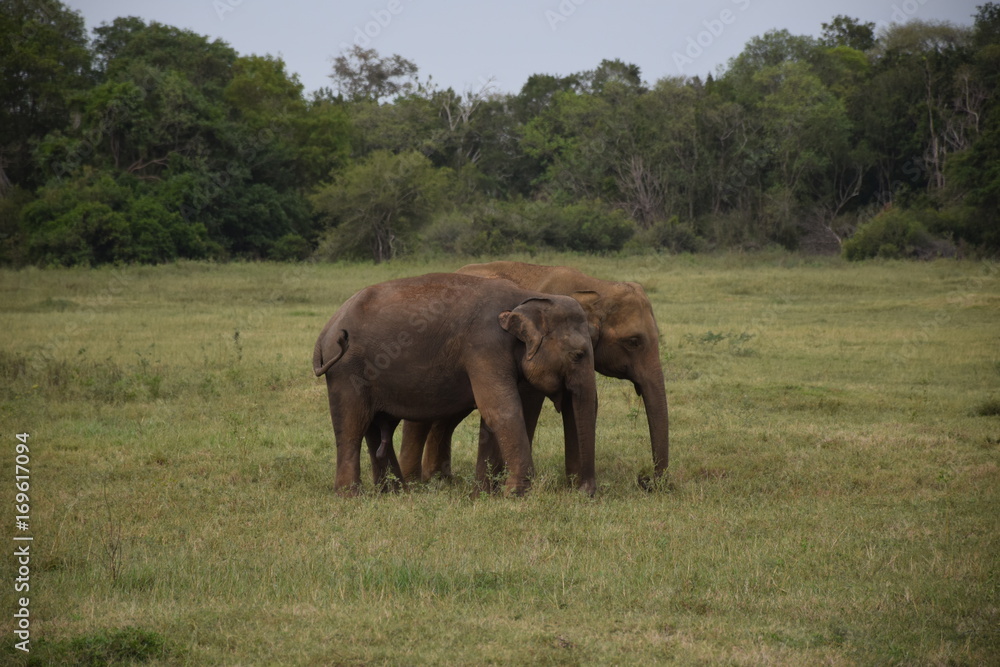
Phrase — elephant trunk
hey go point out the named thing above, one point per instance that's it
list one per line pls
(654, 398)
(580, 433)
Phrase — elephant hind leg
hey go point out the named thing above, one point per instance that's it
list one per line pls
(412, 449)
(348, 478)
(437, 450)
(351, 421)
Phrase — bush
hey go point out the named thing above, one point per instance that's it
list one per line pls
(490, 229)
(894, 234)
(499, 228)
(588, 226)
(95, 219)
(672, 235)
(290, 248)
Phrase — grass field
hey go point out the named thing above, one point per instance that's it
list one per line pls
(835, 472)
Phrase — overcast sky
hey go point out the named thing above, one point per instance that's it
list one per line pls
(465, 44)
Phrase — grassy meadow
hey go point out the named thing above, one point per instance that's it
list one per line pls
(834, 497)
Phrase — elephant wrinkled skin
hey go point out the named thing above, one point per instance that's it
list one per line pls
(432, 348)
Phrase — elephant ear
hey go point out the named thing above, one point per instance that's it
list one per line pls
(590, 301)
(527, 323)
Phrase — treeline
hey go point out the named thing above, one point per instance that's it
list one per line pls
(146, 143)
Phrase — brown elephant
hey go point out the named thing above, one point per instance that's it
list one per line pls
(626, 346)
(432, 348)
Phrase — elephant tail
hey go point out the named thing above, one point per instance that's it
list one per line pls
(320, 367)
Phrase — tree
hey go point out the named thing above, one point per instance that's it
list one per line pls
(845, 31)
(44, 63)
(922, 59)
(375, 204)
(987, 24)
(360, 74)
(130, 49)
(95, 219)
(322, 140)
(774, 48)
(612, 73)
(262, 92)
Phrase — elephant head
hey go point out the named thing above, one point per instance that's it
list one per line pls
(559, 361)
(626, 346)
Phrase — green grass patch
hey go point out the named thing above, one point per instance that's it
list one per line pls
(834, 481)
(125, 646)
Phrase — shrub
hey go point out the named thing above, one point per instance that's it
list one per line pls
(892, 234)
(519, 226)
(95, 219)
(491, 229)
(672, 235)
(588, 226)
(290, 248)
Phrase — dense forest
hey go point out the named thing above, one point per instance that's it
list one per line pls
(141, 142)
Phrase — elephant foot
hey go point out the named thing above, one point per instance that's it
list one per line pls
(517, 488)
(348, 491)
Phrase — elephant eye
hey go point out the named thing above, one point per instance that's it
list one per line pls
(633, 343)
(577, 355)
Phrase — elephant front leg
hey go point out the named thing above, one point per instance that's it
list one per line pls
(500, 408)
(489, 463)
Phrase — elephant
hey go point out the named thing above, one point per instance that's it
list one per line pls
(432, 348)
(625, 338)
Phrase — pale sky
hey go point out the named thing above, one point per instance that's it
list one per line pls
(465, 44)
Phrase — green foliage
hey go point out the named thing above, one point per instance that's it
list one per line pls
(376, 205)
(797, 132)
(44, 63)
(846, 31)
(588, 226)
(672, 235)
(519, 226)
(95, 220)
(492, 229)
(290, 248)
(362, 75)
(892, 234)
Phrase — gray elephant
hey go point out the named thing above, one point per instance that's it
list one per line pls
(626, 346)
(432, 348)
